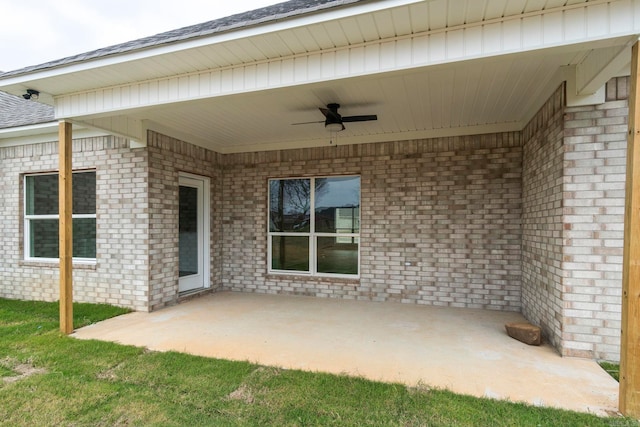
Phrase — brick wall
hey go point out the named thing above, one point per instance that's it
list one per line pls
(573, 221)
(440, 220)
(120, 275)
(595, 140)
(136, 221)
(168, 157)
(528, 221)
(542, 179)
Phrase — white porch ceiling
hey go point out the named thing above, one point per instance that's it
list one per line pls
(465, 98)
(426, 68)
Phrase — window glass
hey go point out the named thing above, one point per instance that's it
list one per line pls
(84, 193)
(314, 225)
(42, 195)
(44, 238)
(42, 217)
(337, 205)
(84, 238)
(289, 205)
(337, 255)
(188, 231)
(290, 253)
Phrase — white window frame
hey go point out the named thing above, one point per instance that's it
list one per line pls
(29, 218)
(311, 234)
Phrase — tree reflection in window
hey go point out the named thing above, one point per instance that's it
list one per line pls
(314, 225)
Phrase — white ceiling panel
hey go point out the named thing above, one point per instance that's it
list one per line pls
(475, 11)
(534, 5)
(463, 96)
(514, 7)
(321, 37)
(384, 24)
(352, 31)
(438, 13)
(495, 9)
(417, 16)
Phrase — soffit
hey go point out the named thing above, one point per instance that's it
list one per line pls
(488, 92)
(474, 97)
(348, 26)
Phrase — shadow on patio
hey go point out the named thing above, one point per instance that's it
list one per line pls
(464, 350)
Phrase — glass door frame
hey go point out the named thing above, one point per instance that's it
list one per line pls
(201, 280)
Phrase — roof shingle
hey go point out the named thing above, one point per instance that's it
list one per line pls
(16, 111)
(234, 22)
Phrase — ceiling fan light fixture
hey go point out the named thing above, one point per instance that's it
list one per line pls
(334, 122)
(333, 127)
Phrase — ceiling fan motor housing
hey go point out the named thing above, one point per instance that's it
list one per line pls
(333, 119)
(334, 122)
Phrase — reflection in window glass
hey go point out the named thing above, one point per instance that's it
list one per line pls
(314, 225)
(84, 238)
(289, 205)
(188, 231)
(290, 253)
(337, 255)
(41, 215)
(337, 205)
(84, 192)
(42, 195)
(44, 238)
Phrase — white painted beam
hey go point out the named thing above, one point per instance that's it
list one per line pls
(576, 100)
(599, 67)
(367, 139)
(132, 129)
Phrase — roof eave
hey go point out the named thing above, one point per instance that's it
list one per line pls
(15, 81)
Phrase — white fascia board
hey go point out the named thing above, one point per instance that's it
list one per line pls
(442, 46)
(132, 129)
(20, 131)
(21, 81)
(44, 132)
(183, 136)
(577, 99)
(598, 67)
(222, 37)
(331, 140)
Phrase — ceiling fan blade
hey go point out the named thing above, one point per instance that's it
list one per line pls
(360, 118)
(307, 123)
(324, 111)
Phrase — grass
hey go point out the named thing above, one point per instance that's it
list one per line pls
(49, 379)
(612, 369)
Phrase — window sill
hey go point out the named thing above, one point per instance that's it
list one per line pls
(45, 264)
(309, 278)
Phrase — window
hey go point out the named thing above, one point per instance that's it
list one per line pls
(314, 225)
(41, 216)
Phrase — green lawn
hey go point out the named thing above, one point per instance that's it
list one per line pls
(612, 368)
(47, 379)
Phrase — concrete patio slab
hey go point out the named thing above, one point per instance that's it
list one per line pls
(463, 350)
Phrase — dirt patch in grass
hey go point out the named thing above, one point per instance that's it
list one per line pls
(243, 394)
(109, 374)
(22, 370)
(246, 392)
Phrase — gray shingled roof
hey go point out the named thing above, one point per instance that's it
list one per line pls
(16, 111)
(239, 21)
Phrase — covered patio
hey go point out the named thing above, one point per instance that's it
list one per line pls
(493, 176)
(463, 350)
